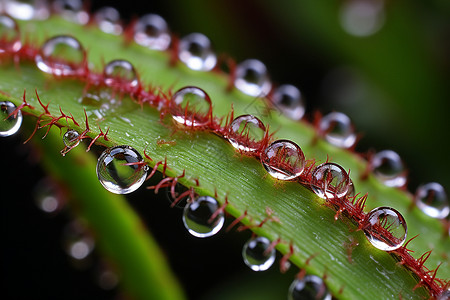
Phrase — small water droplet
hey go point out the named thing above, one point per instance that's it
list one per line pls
(108, 20)
(71, 138)
(255, 254)
(27, 9)
(388, 167)
(78, 244)
(310, 287)
(9, 125)
(71, 10)
(120, 71)
(432, 200)
(152, 31)
(385, 228)
(115, 172)
(48, 197)
(338, 130)
(9, 34)
(191, 106)
(61, 55)
(330, 180)
(362, 17)
(196, 52)
(283, 160)
(197, 217)
(246, 133)
(288, 99)
(252, 78)
(179, 189)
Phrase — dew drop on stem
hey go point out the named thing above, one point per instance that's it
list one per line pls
(256, 254)
(283, 160)
(246, 133)
(252, 78)
(310, 287)
(388, 168)
(71, 10)
(118, 72)
(195, 51)
(288, 100)
(385, 228)
(120, 169)
(9, 125)
(197, 217)
(329, 181)
(108, 20)
(27, 9)
(432, 199)
(191, 106)
(9, 35)
(151, 31)
(337, 129)
(71, 138)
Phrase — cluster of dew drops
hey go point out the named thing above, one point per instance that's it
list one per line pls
(121, 169)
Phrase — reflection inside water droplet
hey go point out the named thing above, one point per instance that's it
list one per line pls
(120, 169)
(246, 133)
(432, 200)
(283, 160)
(197, 217)
(252, 78)
(9, 125)
(196, 52)
(310, 287)
(152, 31)
(256, 255)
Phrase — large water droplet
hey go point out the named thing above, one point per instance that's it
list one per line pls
(27, 9)
(246, 133)
(283, 160)
(115, 172)
(288, 99)
(9, 35)
(310, 287)
(196, 52)
(152, 31)
(71, 10)
(432, 200)
(9, 125)
(108, 20)
(252, 78)
(120, 71)
(338, 130)
(362, 17)
(61, 55)
(71, 138)
(197, 217)
(385, 228)
(191, 106)
(388, 168)
(330, 180)
(255, 254)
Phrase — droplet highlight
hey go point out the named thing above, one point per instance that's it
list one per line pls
(329, 181)
(191, 106)
(120, 169)
(198, 217)
(108, 20)
(337, 129)
(27, 9)
(9, 125)
(257, 254)
(385, 228)
(432, 199)
(118, 72)
(9, 35)
(71, 10)
(288, 99)
(362, 18)
(252, 78)
(195, 51)
(388, 168)
(284, 160)
(246, 133)
(71, 138)
(151, 31)
(61, 55)
(310, 287)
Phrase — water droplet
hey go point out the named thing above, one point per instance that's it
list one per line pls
(197, 217)
(330, 180)
(246, 133)
(48, 197)
(432, 200)
(191, 106)
(283, 160)
(71, 138)
(27, 9)
(351, 190)
(71, 10)
(385, 228)
(255, 254)
(152, 31)
(252, 78)
(362, 17)
(120, 71)
(338, 130)
(108, 20)
(116, 171)
(179, 189)
(78, 244)
(61, 55)
(9, 125)
(388, 167)
(196, 52)
(9, 35)
(288, 99)
(310, 287)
